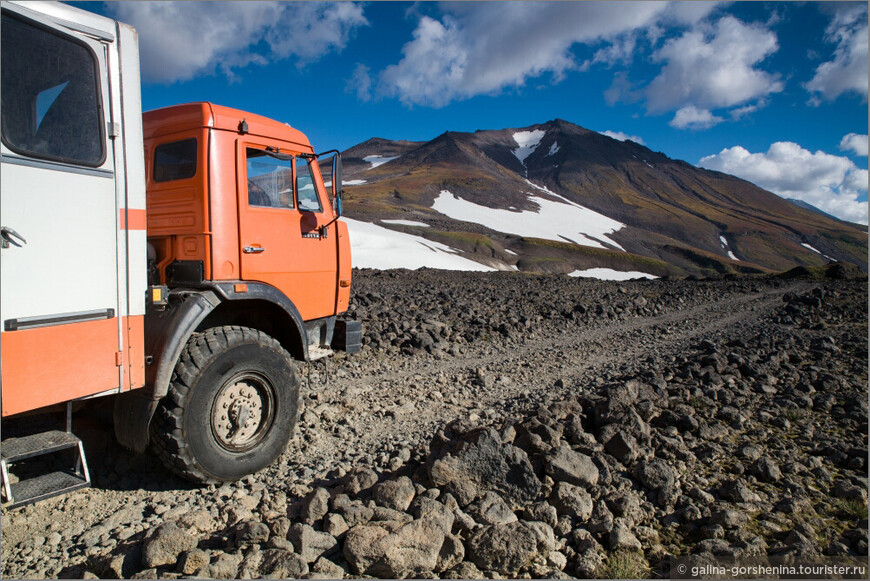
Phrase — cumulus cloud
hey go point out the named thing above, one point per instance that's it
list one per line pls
(832, 183)
(620, 136)
(713, 66)
(360, 83)
(231, 35)
(847, 71)
(482, 48)
(690, 117)
(854, 143)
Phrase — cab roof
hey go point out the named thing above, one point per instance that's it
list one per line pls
(176, 118)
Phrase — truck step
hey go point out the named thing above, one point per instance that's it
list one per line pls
(15, 449)
(48, 484)
(45, 486)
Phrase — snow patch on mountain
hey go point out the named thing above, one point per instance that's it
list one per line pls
(377, 160)
(808, 247)
(405, 223)
(554, 149)
(610, 274)
(528, 142)
(349, 183)
(374, 246)
(561, 221)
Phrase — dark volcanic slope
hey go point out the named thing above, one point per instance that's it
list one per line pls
(679, 219)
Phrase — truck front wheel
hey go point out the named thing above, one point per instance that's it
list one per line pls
(231, 407)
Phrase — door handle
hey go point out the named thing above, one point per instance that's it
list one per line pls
(8, 234)
(253, 249)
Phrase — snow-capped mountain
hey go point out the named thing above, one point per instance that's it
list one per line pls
(557, 197)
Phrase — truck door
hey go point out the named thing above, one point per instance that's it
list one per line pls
(282, 208)
(59, 216)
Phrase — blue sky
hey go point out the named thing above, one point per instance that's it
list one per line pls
(773, 92)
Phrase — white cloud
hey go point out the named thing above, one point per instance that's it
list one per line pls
(855, 143)
(231, 35)
(620, 136)
(690, 117)
(360, 83)
(482, 48)
(832, 183)
(713, 67)
(847, 71)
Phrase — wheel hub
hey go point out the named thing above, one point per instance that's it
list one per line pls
(242, 412)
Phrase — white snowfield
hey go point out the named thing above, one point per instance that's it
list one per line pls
(561, 221)
(808, 247)
(406, 223)
(349, 183)
(528, 142)
(377, 160)
(374, 246)
(609, 274)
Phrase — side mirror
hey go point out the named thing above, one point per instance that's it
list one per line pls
(336, 182)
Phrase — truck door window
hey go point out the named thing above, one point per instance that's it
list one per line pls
(51, 106)
(306, 192)
(270, 180)
(175, 161)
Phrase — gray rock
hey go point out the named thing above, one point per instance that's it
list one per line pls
(316, 506)
(623, 447)
(251, 532)
(326, 569)
(602, 520)
(395, 494)
(621, 537)
(165, 544)
(572, 500)
(310, 544)
(281, 564)
(359, 479)
(508, 548)
(451, 554)
(224, 566)
(381, 514)
(574, 467)
(394, 549)
(766, 470)
(191, 561)
(355, 514)
(737, 491)
(335, 525)
(491, 510)
(542, 511)
(464, 570)
(729, 519)
(479, 458)
(656, 474)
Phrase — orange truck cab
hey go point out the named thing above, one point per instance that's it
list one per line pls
(244, 237)
(181, 262)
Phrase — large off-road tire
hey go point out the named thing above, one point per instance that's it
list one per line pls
(231, 408)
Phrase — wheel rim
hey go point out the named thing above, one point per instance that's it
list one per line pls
(243, 412)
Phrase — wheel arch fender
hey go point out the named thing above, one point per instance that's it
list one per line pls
(166, 334)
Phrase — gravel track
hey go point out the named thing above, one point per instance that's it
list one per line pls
(438, 347)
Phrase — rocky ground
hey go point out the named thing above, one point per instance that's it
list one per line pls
(505, 425)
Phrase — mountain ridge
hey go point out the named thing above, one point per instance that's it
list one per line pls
(697, 221)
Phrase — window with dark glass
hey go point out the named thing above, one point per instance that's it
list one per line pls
(270, 180)
(306, 192)
(50, 96)
(175, 161)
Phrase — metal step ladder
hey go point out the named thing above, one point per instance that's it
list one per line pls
(49, 484)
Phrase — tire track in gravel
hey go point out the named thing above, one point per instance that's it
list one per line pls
(397, 406)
